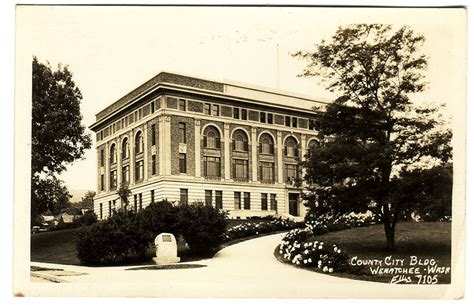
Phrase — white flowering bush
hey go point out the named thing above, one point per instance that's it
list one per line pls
(297, 250)
(250, 229)
(329, 223)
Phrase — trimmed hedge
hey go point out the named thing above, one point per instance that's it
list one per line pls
(202, 226)
(160, 217)
(127, 235)
(119, 239)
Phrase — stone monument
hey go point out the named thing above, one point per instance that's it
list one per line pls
(166, 249)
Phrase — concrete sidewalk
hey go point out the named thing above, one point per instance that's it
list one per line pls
(246, 269)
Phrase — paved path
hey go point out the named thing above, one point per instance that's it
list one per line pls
(246, 269)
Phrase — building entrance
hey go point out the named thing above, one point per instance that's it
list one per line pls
(293, 204)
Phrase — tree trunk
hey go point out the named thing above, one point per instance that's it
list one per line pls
(390, 234)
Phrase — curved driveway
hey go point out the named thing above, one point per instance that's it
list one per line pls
(246, 269)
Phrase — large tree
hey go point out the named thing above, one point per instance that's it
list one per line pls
(372, 132)
(58, 137)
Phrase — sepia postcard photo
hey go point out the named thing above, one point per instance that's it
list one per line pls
(240, 151)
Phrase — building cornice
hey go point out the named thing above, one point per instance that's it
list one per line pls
(156, 84)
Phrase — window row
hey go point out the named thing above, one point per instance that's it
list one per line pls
(139, 174)
(244, 197)
(240, 113)
(211, 170)
(241, 199)
(139, 147)
(134, 116)
(211, 140)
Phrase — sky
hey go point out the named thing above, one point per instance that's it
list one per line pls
(112, 50)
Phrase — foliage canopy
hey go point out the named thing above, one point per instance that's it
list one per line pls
(372, 132)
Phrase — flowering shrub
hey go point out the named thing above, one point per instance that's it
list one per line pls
(297, 250)
(250, 229)
(329, 223)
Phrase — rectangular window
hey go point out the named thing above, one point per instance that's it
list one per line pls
(273, 202)
(244, 114)
(152, 195)
(139, 170)
(208, 197)
(236, 113)
(270, 118)
(207, 108)
(240, 169)
(113, 180)
(291, 171)
(153, 134)
(246, 201)
(140, 202)
(182, 163)
(152, 107)
(239, 145)
(212, 167)
(102, 183)
(267, 148)
(110, 208)
(263, 117)
(237, 201)
(183, 196)
(126, 174)
(182, 105)
(264, 201)
(215, 110)
(291, 151)
(218, 199)
(287, 121)
(153, 164)
(100, 211)
(294, 122)
(267, 172)
(102, 157)
(135, 203)
(182, 133)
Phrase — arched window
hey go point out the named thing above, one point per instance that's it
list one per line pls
(125, 149)
(312, 145)
(291, 147)
(211, 138)
(138, 143)
(266, 144)
(113, 154)
(240, 141)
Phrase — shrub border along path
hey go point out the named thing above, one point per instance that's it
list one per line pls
(413, 239)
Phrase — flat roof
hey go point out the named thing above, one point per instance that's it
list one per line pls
(250, 93)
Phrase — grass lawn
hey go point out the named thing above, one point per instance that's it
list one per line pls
(429, 240)
(59, 247)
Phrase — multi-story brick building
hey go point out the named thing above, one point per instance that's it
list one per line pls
(188, 139)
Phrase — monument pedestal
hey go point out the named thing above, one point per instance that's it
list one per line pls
(166, 260)
(166, 249)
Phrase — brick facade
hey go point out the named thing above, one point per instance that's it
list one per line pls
(163, 113)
